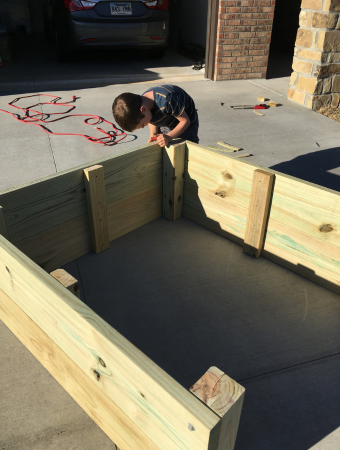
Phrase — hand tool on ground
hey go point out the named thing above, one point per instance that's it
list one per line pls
(260, 106)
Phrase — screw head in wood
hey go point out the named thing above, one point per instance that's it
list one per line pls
(191, 427)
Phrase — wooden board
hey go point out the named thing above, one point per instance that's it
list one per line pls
(103, 411)
(67, 280)
(71, 240)
(96, 207)
(59, 245)
(310, 214)
(225, 397)
(36, 207)
(213, 172)
(173, 181)
(157, 406)
(215, 213)
(132, 212)
(260, 197)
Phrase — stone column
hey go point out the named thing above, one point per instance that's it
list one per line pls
(315, 81)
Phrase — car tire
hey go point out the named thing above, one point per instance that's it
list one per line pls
(64, 53)
(156, 53)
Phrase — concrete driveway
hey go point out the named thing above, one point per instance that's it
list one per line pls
(35, 412)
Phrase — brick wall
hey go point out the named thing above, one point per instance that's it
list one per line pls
(315, 81)
(243, 38)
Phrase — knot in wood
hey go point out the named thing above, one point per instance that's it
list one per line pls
(221, 194)
(102, 362)
(326, 228)
(97, 374)
(227, 176)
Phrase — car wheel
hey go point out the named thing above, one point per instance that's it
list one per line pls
(156, 53)
(64, 53)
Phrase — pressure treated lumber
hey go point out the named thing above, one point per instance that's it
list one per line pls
(71, 240)
(59, 245)
(67, 280)
(173, 181)
(134, 211)
(102, 410)
(304, 217)
(260, 197)
(3, 227)
(225, 397)
(35, 207)
(96, 205)
(148, 404)
(215, 212)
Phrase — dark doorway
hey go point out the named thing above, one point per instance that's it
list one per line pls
(285, 26)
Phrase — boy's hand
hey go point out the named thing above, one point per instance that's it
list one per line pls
(163, 140)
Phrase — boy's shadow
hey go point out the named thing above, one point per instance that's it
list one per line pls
(314, 167)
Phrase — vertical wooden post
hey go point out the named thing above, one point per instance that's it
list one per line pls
(96, 205)
(225, 397)
(67, 280)
(173, 181)
(3, 228)
(260, 197)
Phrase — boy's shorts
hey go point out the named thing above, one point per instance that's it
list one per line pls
(190, 134)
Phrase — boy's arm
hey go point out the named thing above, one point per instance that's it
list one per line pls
(153, 131)
(184, 122)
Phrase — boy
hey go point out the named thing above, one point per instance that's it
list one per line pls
(168, 110)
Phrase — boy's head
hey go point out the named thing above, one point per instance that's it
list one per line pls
(130, 113)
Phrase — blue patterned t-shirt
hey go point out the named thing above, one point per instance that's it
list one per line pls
(170, 102)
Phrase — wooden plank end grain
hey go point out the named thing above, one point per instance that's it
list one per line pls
(225, 397)
(3, 227)
(260, 197)
(67, 281)
(173, 180)
(97, 209)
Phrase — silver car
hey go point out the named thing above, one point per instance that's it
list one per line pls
(79, 24)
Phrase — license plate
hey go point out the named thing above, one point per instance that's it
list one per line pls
(121, 9)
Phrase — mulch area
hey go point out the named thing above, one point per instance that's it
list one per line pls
(333, 113)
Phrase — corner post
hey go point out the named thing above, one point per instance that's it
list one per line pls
(225, 397)
(173, 180)
(67, 281)
(97, 209)
(258, 212)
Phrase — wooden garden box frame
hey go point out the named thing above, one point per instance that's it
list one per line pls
(52, 221)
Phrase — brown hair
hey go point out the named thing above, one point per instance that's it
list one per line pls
(126, 111)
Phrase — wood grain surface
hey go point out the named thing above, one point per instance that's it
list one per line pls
(173, 181)
(157, 406)
(35, 207)
(96, 207)
(260, 197)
